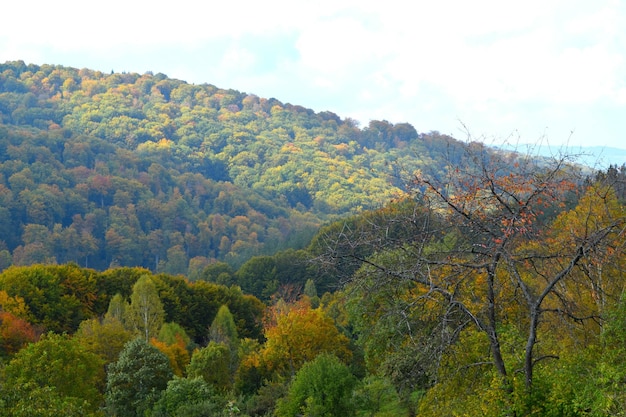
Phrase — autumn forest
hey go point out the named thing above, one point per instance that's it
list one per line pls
(171, 249)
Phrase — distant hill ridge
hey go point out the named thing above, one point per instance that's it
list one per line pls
(128, 169)
(598, 157)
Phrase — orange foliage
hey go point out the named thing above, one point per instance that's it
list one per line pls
(15, 333)
(177, 353)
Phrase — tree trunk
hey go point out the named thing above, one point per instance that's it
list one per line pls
(530, 344)
(492, 332)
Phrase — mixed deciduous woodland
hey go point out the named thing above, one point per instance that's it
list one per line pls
(141, 170)
(169, 249)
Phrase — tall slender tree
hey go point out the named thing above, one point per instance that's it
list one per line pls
(145, 312)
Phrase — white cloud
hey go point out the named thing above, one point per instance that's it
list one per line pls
(336, 46)
(237, 59)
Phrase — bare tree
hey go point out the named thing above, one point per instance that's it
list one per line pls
(497, 233)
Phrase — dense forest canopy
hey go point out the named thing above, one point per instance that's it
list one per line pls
(480, 293)
(144, 170)
(176, 249)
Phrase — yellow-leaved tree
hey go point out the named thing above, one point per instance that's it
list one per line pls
(296, 334)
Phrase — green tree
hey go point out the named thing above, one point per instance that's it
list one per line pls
(395, 334)
(171, 333)
(145, 313)
(177, 261)
(219, 273)
(223, 328)
(136, 380)
(377, 397)
(311, 292)
(61, 363)
(322, 387)
(203, 299)
(117, 309)
(106, 338)
(212, 363)
(31, 400)
(189, 397)
(258, 277)
(602, 389)
(58, 297)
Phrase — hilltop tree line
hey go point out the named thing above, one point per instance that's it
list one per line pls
(115, 169)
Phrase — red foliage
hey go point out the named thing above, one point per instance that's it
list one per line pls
(15, 333)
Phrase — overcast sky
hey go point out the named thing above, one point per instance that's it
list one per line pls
(525, 71)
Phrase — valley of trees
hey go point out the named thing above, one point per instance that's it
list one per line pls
(169, 249)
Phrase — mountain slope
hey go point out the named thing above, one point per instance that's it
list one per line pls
(129, 169)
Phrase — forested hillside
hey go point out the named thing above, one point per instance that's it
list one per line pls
(144, 170)
(487, 291)
(169, 249)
